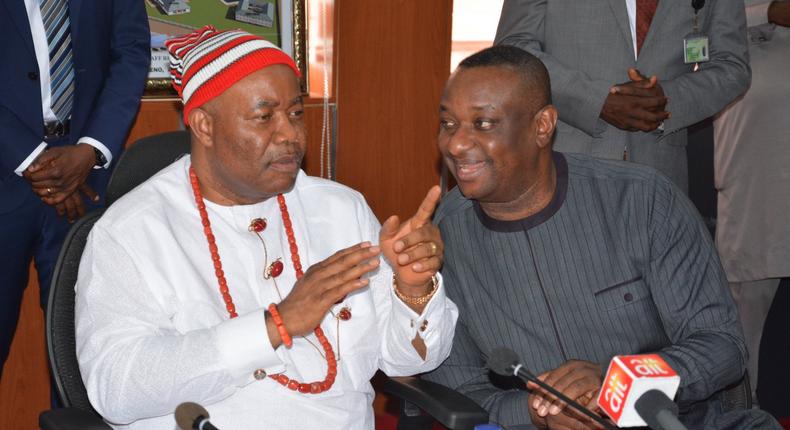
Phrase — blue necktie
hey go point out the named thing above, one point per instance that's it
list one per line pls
(55, 14)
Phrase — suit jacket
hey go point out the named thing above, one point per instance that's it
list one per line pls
(111, 54)
(587, 48)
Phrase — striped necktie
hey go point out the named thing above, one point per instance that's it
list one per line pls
(55, 14)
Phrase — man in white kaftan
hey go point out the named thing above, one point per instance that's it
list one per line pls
(147, 297)
(152, 326)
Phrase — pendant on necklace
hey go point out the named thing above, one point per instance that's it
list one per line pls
(274, 270)
(257, 225)
(344, 314)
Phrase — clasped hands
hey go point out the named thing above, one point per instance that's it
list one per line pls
(637, 105)
(413, 248)
(58, 176)
(576, 379)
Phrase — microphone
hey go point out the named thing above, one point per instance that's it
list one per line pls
(629, 379)
(659, 411)
(191, 416)
(505, 362)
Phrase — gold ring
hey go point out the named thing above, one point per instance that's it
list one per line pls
(49, 191)
(434, 248)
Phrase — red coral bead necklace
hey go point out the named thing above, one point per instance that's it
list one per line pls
(273, 270)
(257, 226)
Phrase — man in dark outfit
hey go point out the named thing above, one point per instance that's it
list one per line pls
(570, 260)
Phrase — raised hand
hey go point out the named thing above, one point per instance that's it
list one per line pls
(322, 285)
(414, 248)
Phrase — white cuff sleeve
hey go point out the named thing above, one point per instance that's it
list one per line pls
(405, 316)
(30, 158)
(435, 326)
(98, 145)
(244, 346)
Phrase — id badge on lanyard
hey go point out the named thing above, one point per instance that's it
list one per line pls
(696, 47)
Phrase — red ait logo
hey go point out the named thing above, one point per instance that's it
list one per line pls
(649, 366)
(612, 398)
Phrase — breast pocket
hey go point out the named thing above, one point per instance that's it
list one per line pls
(616, 296)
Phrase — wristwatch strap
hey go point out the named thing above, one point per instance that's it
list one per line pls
(101, 160)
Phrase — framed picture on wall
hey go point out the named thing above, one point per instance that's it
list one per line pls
(281, 22)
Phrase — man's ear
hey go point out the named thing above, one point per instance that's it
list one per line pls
(545, 123)
(201, 122)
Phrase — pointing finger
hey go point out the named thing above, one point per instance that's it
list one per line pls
(427, 207)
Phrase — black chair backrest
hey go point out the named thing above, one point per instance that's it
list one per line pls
(143, 159)
(738, 396)
(61, 345)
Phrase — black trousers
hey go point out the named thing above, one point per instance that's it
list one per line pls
(773, 386)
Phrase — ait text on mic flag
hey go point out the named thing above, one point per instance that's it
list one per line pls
(630, 376)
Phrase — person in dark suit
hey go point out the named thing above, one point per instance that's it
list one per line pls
(602, 57)
(71, 78)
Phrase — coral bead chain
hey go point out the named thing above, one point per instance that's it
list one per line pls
(212, 246)
(331, 372)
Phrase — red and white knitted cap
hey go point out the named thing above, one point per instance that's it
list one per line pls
(206, 62)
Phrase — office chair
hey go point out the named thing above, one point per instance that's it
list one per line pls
(143, 159)
(146, 157)
(738, 396)
(61, 347)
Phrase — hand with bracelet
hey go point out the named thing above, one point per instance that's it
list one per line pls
(323, 284)
(414, 249)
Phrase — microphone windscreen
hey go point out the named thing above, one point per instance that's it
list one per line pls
(501, 361)
(187, 413)
(648, 406)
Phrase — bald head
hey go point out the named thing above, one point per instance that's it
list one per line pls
(534, 76)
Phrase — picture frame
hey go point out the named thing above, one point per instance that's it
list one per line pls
(282, 22)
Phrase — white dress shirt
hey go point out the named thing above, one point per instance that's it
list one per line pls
(152, 330)
(630, 6)
(41, 46)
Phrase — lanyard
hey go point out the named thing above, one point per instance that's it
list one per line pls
(697, 5)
